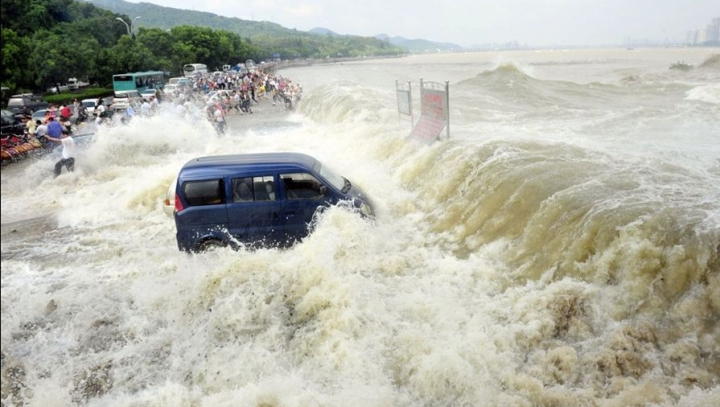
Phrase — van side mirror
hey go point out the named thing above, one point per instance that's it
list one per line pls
(323, 190)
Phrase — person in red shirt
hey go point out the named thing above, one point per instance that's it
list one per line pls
(65, 112)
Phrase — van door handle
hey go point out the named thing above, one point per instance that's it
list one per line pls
(273, 215)
(289, 215)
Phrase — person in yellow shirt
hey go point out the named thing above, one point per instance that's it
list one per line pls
(261, 92)
(30, 125)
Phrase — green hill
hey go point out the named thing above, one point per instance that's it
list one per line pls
(270, 37)
(414, 46)
(419, 46)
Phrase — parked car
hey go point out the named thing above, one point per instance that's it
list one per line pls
(89, 104)
(39, 115)
(11, 123)
(75, 84)
(180, 82)
(26, 103)
(255, 199)
(171, 90)
(125, 98)
(150, 92)
(55, 89)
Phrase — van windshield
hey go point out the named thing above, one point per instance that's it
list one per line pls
(333, 177)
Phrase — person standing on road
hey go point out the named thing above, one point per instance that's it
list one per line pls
(154, 104)
(129, 113)
(65, 112)
(68, 152)
(145, 108)
(54, 128)
(100, 108)
(236, 100)
(219, 117)
(40, 129)
(52, 111)
(30, 125)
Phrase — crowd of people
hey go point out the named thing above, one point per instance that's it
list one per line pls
(207, 96)
(216, 96)
(232, 92)
(54, 128)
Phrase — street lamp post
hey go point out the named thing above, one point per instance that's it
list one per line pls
(131, 27)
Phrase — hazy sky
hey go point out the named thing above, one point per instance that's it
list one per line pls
(474, 22)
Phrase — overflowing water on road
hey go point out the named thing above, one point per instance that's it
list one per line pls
(558, 248)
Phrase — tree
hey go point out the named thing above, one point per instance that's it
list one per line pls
(50, 58)
(129, 56)
(14, 66)
(160, 45)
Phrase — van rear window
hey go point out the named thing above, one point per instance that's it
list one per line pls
(206, 192)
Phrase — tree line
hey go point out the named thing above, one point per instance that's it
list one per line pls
(47, 41)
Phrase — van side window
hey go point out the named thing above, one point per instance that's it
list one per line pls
(251, 189)
(264, 188)
(206, 192)
(301, 186)
(242, 189)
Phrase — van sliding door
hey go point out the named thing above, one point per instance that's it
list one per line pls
(255, 210)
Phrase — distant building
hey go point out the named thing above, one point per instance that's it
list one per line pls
(701, 36)
(714, 29)
(710, 35)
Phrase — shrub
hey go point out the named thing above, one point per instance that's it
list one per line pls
(85, 93)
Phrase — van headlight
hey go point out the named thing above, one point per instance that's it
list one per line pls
(365, 209)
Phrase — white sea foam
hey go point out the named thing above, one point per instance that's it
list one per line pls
(705, 93)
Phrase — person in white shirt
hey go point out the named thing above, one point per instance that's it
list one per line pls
(219, 116)
(68, 152)
(145, 108)
(40, 129)
(100, 109)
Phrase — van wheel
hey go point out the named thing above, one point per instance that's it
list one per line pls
(210, 244)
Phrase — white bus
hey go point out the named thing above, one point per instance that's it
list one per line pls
(190, 69)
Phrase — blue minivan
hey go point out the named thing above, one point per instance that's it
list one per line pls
(256, 200)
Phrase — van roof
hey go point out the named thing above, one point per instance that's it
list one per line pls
(225, 164)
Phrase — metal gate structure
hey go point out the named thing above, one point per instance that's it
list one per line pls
(434, 110)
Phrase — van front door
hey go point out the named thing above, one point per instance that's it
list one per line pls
(255, 211)
(304, 194)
